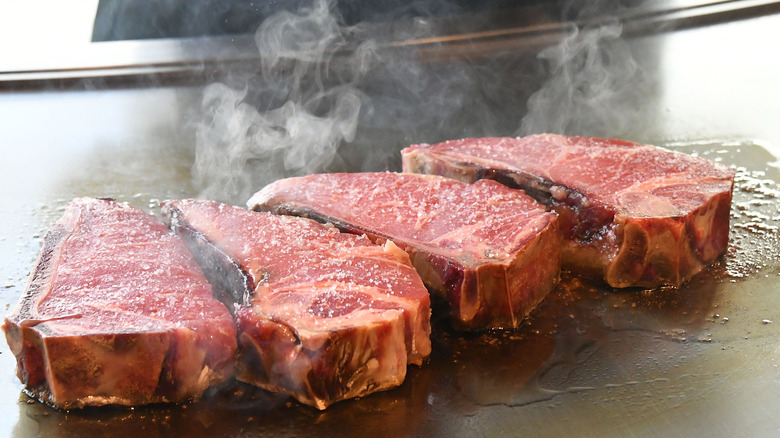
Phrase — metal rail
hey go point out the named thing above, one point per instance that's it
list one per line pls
(194, 60)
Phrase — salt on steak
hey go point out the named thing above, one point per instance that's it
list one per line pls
(322, 315)
(117, 311)
(635, 215)
(492, 252)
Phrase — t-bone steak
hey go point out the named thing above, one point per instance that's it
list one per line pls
(117, 311)
(632, 214)
(491, 251)
(322, 315)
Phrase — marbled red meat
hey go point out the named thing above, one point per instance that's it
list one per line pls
(117, 311)
(493, 252)
(635, 215)
(322, 315)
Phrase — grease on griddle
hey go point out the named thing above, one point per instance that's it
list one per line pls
(754, 241)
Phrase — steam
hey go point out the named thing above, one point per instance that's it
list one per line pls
(594, 88)
(241, 147)
(331, 97)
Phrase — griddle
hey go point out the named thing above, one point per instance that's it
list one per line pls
(590, 361)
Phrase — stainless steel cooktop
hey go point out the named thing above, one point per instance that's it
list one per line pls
(701, 360)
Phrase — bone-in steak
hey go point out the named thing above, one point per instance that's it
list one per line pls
(322, 315)
(117, 311)
(635, 215)
(493, 252)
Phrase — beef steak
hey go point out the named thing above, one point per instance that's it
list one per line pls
(116, 311)
(635, 215)
(493, 252)
(322, 315)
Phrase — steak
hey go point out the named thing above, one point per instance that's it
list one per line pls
(322, 315)
(116, 311)
(634, 215)
(492, 252)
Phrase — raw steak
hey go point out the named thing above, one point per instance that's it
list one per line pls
(632, 214)
(324, 315)
(493, 252)
(117, 311)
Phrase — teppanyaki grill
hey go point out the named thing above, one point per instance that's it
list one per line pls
(613, 363)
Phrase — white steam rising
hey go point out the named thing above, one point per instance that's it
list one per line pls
(331, 97)
(241, 147)
(595, 86)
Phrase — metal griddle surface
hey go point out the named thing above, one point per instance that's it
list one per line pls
(702, 360)
(589, 358)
